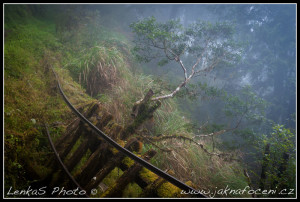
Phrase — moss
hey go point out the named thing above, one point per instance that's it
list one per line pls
(107, 192)
(110, 180)
(168, 190)
(29, 51)
(147, 176)
(83, 160)
(114, 150)
(74, 148)
(132, 190)
(190, 183)
(128, 162)
(94, 120)
(112, 176)
(111, 129)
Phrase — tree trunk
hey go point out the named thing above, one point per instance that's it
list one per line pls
(264, 166)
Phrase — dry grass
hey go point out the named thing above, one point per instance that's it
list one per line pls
(107, 76)
(190, 163)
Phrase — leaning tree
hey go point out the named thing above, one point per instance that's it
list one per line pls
(196, 49)
(204, 45)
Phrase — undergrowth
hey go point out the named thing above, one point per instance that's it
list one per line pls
(102, 70)
(189, 162)
(31, 98)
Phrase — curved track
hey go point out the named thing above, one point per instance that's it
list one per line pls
(123, 150)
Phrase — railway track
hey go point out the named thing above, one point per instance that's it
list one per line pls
(95, 145)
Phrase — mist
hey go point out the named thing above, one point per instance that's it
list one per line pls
(269, 31)
(247, 98)
(268, 61)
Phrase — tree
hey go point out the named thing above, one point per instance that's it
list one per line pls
(278, 164)
(270, 62)
(205, 45)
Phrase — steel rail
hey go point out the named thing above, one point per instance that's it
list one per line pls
(137, 159)
(61, 162)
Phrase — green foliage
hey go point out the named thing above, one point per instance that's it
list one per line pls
(247, 105)
(99, 56)
(281, 159)
(27, 46)
(79, 37)
(170, 40)
(94, 52)
(202, 90)
(30, 100)
(282, 139)
(203, 44)
(14, 14)
(213, 128)
(163, 62)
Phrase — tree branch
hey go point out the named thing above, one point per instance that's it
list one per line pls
(171, 94)
(184, 69)
(201, 56)
(211, 134)
(152, 143)
(161, 138)
(166, 49)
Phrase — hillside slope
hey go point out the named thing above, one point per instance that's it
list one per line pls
(93, 68)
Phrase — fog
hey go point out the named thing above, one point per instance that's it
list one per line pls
(250, 93)
(268, 63)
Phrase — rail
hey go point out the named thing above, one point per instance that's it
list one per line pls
(126, 152)
(61, 162)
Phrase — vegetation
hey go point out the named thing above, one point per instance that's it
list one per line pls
(206, 45)
(279, 161)
(210, 134)
(30, 95)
